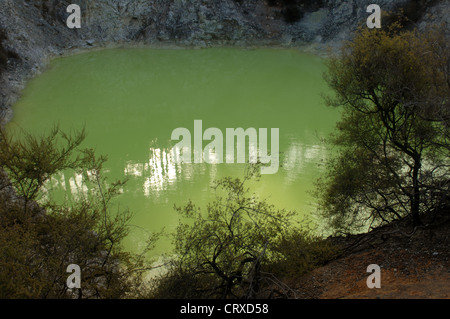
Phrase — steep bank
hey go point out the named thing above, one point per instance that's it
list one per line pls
(36, 29)
(414, 263)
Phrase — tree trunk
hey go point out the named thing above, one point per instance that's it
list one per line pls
(415, 198)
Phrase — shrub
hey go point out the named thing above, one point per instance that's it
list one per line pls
(38, 242)
(300, 252)
(393, 141)
(238, 248)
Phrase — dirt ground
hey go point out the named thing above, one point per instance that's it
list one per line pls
(414, 264)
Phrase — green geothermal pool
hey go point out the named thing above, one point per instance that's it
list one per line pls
(130, 101)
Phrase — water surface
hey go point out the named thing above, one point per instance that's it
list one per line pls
(130, 101)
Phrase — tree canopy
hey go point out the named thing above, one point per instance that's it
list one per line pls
(39, 239)
(392, 143)
(240, 246)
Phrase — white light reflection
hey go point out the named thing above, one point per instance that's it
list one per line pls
(159, 172)
(301, 159)
(77, 186)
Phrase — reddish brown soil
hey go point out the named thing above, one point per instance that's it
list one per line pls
(414, 265)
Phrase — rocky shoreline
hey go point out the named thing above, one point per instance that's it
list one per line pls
(36, 30)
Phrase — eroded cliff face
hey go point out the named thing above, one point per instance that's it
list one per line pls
(36, 29)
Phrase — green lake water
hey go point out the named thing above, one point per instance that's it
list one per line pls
(130, 101)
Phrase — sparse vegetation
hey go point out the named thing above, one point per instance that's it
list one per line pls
(39, 241)
(238, 248)
(393, 140)
(299, 252)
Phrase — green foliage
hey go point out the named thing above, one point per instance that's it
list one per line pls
(38, 242)
(238, 247)
(393, 139)
(220, 252)
(30, 161)
(300, 252)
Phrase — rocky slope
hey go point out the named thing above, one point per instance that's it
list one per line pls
(36, 30)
